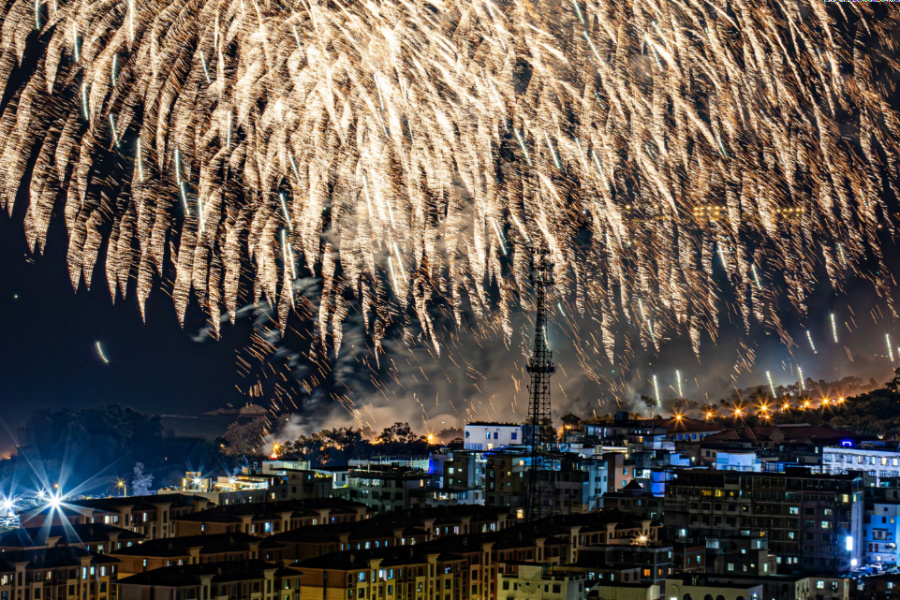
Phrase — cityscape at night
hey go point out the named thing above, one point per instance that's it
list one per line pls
(449, 300)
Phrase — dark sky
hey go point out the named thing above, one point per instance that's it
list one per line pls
(47, 344)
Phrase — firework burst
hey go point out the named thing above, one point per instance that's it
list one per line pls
(408, 154)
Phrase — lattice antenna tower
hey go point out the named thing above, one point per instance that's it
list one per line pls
(540, 367)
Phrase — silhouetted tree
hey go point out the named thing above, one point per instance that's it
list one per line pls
(245, 438)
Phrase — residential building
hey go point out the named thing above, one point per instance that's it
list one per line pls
(625, 591)
(877, 464)
(561, 484)
(187, 550)
(700, 587)
(483, 435)
(93, 537)
(150, 516)
(881, 526)
(61, 573)
(812, 522)
(540, 582)
(239, 580)
(386, 487)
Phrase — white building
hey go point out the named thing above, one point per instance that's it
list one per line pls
(482, 435)
(879, 464)
(535, 582)
(737, 461)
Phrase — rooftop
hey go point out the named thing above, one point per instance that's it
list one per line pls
(190, 575)
(180, 546)
(31, 537)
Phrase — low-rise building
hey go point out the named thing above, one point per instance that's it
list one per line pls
(881, 526)
(540, 582)
(700, 587)
(188, 550)
(625, 591)
(93, 537)
(484, 435)
(62, 573)
(386, 487)
(877, 464)
(150, 516)
(241, 580)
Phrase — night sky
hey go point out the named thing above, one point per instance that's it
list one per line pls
(47, 345)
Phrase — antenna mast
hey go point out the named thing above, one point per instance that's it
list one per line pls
(541, 367)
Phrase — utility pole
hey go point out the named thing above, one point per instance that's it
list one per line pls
(541, 367)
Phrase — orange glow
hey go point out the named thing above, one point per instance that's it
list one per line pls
(276, 449)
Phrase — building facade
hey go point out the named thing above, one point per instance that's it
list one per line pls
(812, 522)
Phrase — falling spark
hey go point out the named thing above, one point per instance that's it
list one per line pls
(200, 215)
(100, 353)
(84, 102)
(887, 339)
(131, 20)
(288, 255)
(656, 390)
(811, 344)
(284, 210)
(755, 277)
(112, 128)
(678, 380)
(578, 12)
(184, 199)
(552, 151)
(205, 68)
(178, 166)
(75, 42)
(771, 385)
(800, 374)
(499, 236)
(522, 145)
(139, 159)
(834, 332)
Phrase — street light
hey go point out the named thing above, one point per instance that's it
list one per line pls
(121, 484)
